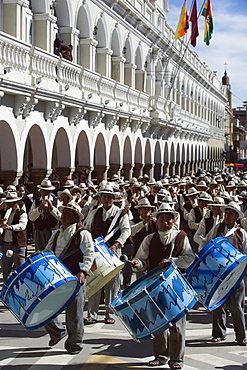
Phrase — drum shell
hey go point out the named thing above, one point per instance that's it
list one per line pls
(154, 302)
(216, 272)
(108, 265)
(33, 286)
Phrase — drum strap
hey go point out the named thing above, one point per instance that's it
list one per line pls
(111, 231)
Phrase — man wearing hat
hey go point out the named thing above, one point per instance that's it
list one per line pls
(237, 236)
(213, 216)
(44, 214)
(166, 244)
(13, 228)
(195, 216)
(73, 245)
(142, 225)
(98, 222)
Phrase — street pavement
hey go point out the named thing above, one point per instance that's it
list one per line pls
(110, 347)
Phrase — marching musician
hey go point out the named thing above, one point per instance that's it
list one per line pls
(98, 222)
(73, 245)
(44, 214)
(13, 228)
(164, 245)
(237, 236)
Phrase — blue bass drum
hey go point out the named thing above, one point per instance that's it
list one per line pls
(216, 272)
(154, 302)
(39, 290)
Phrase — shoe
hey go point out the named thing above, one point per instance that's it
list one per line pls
(241, 342)
(109, 321)
(176, 365)
(218, 339)
(89, 321)
(157, 362)
(53, 342)
(74, 352)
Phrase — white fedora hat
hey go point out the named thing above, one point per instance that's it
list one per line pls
(75, 207)
(66, 192)
(11, 197)
(166, 208)
(143, 203)
(46, 185)
(107, 189)
(233, 206)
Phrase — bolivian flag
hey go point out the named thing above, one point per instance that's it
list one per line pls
(209, 22)
(183, 23)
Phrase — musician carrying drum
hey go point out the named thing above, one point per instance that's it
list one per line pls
(156, 249)
(74, 247)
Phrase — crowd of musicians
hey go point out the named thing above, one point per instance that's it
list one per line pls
(151, 222)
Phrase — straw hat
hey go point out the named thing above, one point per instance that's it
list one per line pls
(166, 208)
(107, 189)
(11, 197)
(233, 206)
(11, 188)
(203, 195)
(192, 191)
(46, 185)
(217, 202)
(69, 184)
(75, 207)
(143, 203)
(66, 192)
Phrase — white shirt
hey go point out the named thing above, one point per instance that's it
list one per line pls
(8, 236)
(183, 261)
(86, 245)
(124, 224)
(34, 212)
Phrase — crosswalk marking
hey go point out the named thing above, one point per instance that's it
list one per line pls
(212, 360)
(13, 353)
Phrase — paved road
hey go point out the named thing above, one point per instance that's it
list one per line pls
(110, 347)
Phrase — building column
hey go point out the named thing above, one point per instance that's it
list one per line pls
(12, 17)
(157, 170)
(44, 25)
(150, 84)
(69, 35)
(117, 69)
(114, 169)
(129, 74)
(38, 174)
(128, 171)
(171, 169)
(10, 177)
(104, 61)
(87, 53)
(182, 169)
(138, 170)
(140, 80)
(100, 172)
(177, 168)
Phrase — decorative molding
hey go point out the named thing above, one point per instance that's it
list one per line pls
(110, 121)
(95, 118)
(53, 110)
(124, 123)
(21, 102)
(30, 107)
(76, 114)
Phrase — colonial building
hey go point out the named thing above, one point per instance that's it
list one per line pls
(133, 100)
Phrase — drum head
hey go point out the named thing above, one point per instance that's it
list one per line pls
(51, 305)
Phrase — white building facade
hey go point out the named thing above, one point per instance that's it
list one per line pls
(132, 101)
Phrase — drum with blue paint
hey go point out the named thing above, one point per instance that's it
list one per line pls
(154, 302)
(107, 267)
(216, 272)
(39, 290)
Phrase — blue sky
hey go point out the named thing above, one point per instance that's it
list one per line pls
(228, 44)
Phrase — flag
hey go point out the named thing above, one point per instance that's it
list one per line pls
(183, 24)
(194, 25)
(209, 22)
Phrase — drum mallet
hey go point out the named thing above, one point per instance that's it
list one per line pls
(10, 254)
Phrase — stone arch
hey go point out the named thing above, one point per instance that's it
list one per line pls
(64, 13)
(84, 22)
(138, 160)
(100, 158)
(116, 43)
(129, 50)
(38, 147)
(61, 155)
(127, 158)
(157, 161)
(147, 158)
(8, 149)
(82, 157)
(114, 156)
(166, 154)
(102, 34)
